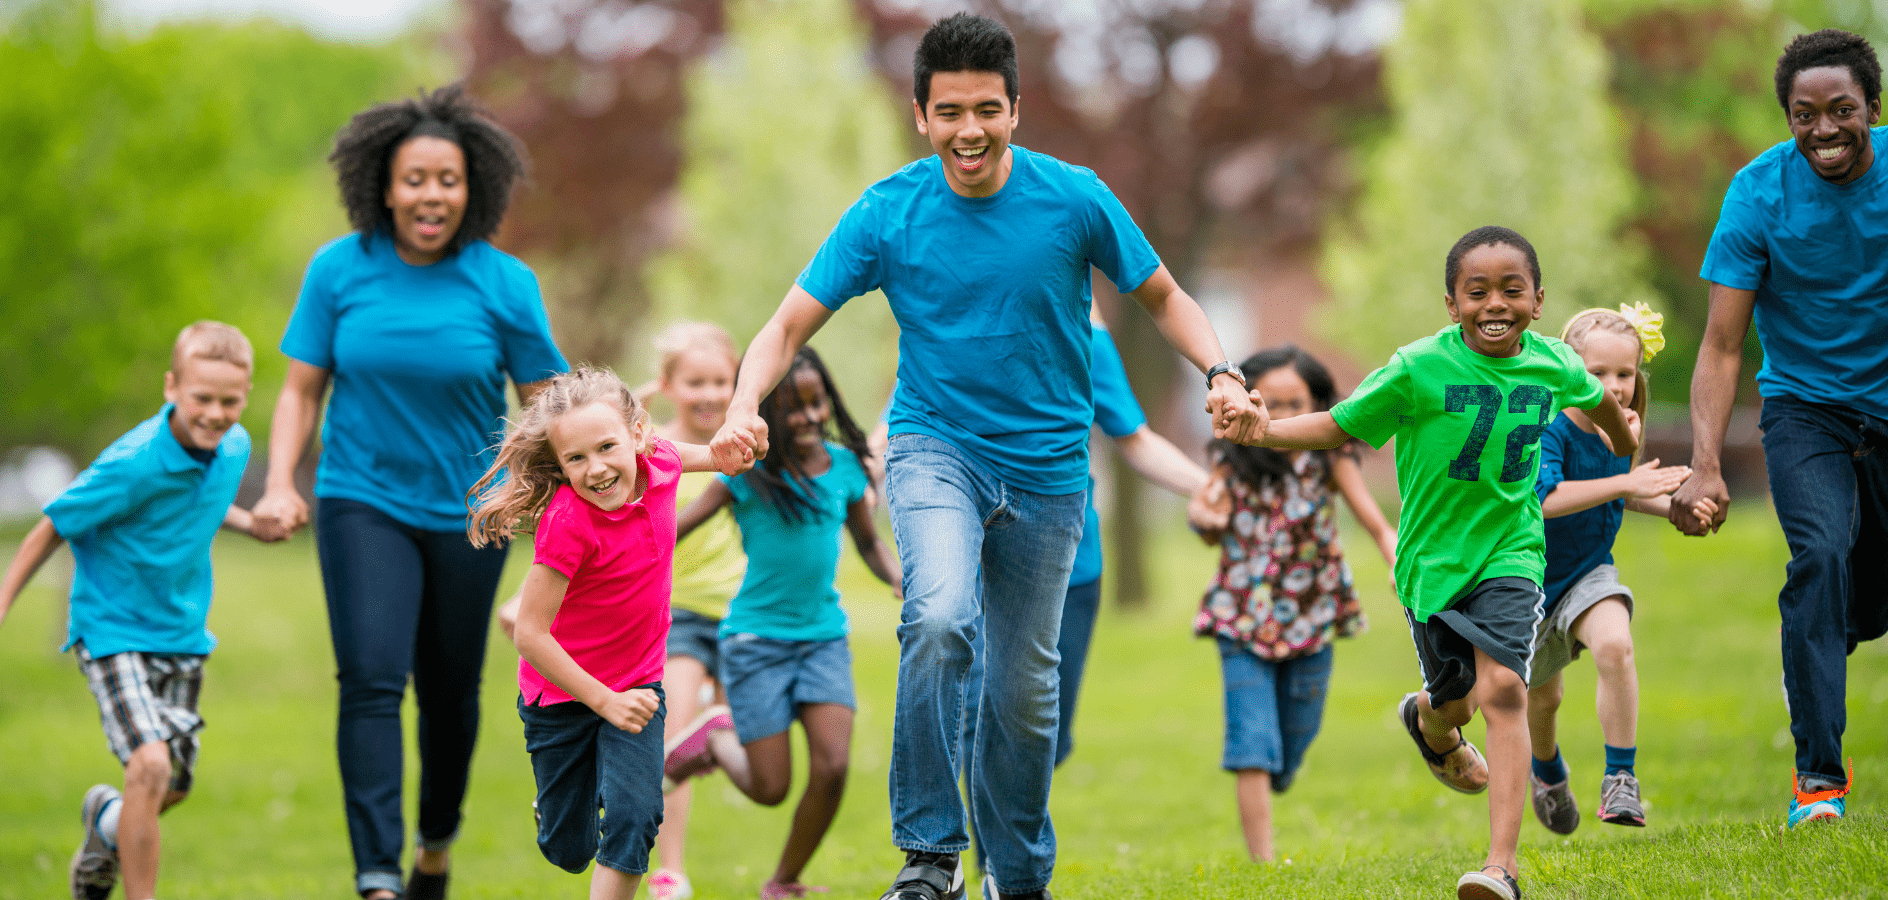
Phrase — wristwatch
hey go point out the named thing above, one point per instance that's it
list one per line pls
(1224, 368)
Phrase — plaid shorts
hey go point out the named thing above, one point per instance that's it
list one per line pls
(145, 697)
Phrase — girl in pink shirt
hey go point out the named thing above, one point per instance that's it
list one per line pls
(584, 467)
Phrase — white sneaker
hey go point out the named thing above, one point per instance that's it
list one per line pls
(667, 885)
(94, 867)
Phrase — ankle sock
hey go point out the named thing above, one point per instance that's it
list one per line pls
(107, 824)
(1552, 771)
(1619, 759)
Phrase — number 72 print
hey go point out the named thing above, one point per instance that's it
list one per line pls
(1516, 462)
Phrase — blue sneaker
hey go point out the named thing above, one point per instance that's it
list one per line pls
(1807, 806)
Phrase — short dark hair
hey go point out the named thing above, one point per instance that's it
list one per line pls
(1829, 47)
(1484, 236)
(964, 43)
(364, 149)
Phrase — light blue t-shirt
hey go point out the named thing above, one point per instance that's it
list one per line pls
(419, 357)
(140, 520)
(1817, 255)
(991, 295)
(787, 593)
(1119, 415)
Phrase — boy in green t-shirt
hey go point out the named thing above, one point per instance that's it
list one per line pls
(1467, 407)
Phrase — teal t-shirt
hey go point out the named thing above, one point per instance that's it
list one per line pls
(787, 593)
(1468, 430)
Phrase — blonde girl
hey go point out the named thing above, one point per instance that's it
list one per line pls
(1585, 491)
(582, 468)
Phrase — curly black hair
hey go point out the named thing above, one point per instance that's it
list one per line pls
(781, 478)
(964, 43)
(1829, 47)
(1260, 466)
(364, 149)
(1485, 236)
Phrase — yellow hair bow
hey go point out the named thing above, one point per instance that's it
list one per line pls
(1649, 324)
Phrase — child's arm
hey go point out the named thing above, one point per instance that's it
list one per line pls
(1644, 488)
(697, 458)
(1618, 423)
(878, 554)
(242, 521)
(543, 595)
(33, 553)
(702, 508)
(1209, 510)
(1349, 477)
(1156, 459)
(1311, 431)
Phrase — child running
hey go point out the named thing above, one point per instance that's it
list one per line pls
(1585, 491)
(783, 643)
(1283, 590)
(582, 465)
(141, 519)
(1467, 407)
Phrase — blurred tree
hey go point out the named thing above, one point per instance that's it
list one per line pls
(1215, 121)
(1501, 117)
(148, 188)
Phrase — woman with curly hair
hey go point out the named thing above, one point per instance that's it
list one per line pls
(416, 323)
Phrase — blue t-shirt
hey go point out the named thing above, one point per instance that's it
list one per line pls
(991, 295)
(140, 520)
(1817, 255)
(1119, 415)
(787, 593)
(1578, 542)
(419, 357)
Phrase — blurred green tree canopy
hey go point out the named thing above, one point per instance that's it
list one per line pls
(155, 180)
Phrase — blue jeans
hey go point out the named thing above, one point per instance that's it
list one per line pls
(1829, 482)
(583, 765)
(972, 545)
(1273, 709)
(403, 601)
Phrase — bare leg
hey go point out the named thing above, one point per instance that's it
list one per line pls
(608, 884)
(763, 770)
(147, 784)
(828, 751)
(1502, 696)
(1438, 723)
(1255, 812)
(1606, 630)
(1543, 722)
(683, 677)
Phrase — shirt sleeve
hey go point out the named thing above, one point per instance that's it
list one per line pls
(856, 480)
(1116, 410)
(1738, 255)
(1582, 390)
(738, 487)
(1553, 460)
(1116, 245)
(531, 355)
(847, 264)
(1378, 407)
(309, 337)
(562, 541)
(101, 495)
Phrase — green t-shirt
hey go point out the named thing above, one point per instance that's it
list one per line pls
(1468, 431)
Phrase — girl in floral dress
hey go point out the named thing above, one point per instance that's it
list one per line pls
(1283, 590)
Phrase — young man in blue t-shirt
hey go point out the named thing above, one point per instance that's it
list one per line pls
(983, 252)
(1802, 247)
(140, 520)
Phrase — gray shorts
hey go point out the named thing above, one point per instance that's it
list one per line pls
(1554, 644)
(1498, 615)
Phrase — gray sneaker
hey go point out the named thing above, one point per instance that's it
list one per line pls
(1554, 805)
(1619, 800)
(95, 866)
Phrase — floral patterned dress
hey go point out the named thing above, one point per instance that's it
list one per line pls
(1283, 589)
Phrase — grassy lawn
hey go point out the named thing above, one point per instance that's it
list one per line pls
(1142, 809)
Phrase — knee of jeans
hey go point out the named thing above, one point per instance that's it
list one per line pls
(571, 853)
(937, 640)
(362, 697)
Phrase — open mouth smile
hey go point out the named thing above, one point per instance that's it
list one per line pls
(970, 160)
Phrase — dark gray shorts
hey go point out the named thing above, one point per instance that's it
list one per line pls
(1498, 615)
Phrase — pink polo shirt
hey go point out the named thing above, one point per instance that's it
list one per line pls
(615, 618)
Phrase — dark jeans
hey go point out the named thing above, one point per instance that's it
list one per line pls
(1829, 481)
(583, 766)
(403, 601)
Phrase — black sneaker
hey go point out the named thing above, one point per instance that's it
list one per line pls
(928, 876)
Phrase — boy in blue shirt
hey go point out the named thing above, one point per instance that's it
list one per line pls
(140, 520)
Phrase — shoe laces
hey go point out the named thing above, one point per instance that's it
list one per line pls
(1806, 798)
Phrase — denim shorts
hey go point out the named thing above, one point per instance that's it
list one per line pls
(768, 680)
(584, 765)
(1273, 709)
(693, 635)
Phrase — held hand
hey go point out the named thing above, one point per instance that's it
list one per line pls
(1238, 416)
(629, 710)
(1647, 480)
(1703, 490)
(280, 513)
(1209, 510)
(741, 440)
(1635, 424)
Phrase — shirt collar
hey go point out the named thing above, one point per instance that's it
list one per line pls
(169, 451)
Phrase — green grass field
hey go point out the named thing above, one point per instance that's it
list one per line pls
(1142, 809)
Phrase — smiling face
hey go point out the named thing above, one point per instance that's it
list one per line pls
(209, 395)
(427, 195)
(968, 121)
(596, 451)
(700, 383)
(1495, 298)
(1285, 393)
(1830, 122)
(1613, 358)
(811, 411)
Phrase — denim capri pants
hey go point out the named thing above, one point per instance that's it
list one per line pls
(1273, 709)
(584, 765)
